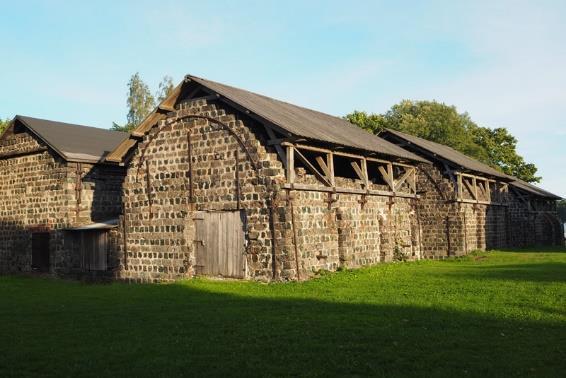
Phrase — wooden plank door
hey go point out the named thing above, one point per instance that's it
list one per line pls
(219, 243)
(40, 251)
(94, 250)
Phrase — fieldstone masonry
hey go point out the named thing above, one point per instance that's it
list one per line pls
(41, 192)
(207, 156)
(329, 234)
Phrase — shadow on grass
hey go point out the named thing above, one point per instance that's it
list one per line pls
(531, 272)
(62, 329)
(542, 249)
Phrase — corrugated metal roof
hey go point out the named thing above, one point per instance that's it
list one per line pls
(449, 154)
(307, 123)
(74, 142)
(534, 189)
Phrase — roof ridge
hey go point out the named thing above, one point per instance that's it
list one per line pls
(23, 117)
(273, 98)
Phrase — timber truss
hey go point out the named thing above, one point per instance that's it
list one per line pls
(476, 189)
(399, 178)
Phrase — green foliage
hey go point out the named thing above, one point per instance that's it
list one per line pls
(165, 88)
(141, 102)
(562, 210)
(497, 314)
(443, 124)
(501, 150)
(4, 124)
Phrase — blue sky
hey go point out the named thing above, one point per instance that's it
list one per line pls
(504, 62)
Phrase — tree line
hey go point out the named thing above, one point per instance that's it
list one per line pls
(442, 123)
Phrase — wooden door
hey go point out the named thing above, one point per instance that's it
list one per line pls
(40, 251)
(219, 243)
(93, 250)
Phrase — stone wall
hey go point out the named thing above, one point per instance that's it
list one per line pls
(41, 192)
(533, 224)
(159, 226)
(452, 228)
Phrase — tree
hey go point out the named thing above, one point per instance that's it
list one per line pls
(141, 102)
(4, 124)
(165, 88)
(501, 150)
(443, 124)
(562, 210)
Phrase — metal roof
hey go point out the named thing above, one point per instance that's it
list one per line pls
(294, 120)
(75, 143)
(450, 154)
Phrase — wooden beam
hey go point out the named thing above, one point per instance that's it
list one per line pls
(358, 170)
(460, 187)
(413, 181)
(480, 189)
(378, 160)
(278, 147)
(385, 176)
(314, 188)
(391, 176)
(471, 187)
(475, 183)
(330, 163)
(290, 164)
(312, 168)
(403, 178)
(324, 166)
(365, 173)
(311, 148)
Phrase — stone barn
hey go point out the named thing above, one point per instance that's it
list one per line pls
(225, 182)
(466, 205)
(533, 216)
(57, 197)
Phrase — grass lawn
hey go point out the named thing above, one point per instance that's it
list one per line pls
(490, 314)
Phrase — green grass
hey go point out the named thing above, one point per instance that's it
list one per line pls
(490, 314)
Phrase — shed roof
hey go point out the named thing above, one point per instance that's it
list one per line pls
(74, 142)
(450, 154)
(295, 120)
